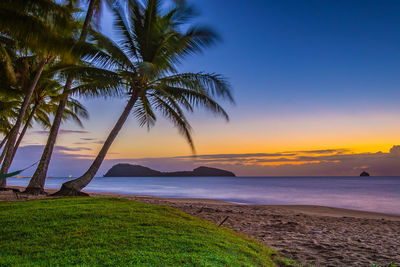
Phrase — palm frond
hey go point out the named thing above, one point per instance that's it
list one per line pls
(143, 112)
(95, 82)
(122, 26)
(191, 98)
(171, 111)
(115, 55)
(207, 83)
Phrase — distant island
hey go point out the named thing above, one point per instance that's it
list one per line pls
(129, 170)
(364, 174)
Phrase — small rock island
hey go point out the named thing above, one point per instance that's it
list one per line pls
(364, 174)
(129, 170)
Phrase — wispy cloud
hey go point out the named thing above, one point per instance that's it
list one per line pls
(235, 156)
(99, 142)
(395, 150)
(340, 162)
(324, 151)
(65, 148)
(89, 140)
(333, 162)
(294, 157)
(62, 131)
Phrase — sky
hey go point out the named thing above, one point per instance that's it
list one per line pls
(316, 85)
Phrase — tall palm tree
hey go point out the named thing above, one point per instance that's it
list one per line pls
(44, 103)
(7, 114)
(36, 26)
(151, 45)
(7, 81)
(39, 177)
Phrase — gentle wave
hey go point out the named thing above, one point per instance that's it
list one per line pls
(379, 194)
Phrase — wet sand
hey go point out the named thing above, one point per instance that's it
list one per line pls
(312, 235)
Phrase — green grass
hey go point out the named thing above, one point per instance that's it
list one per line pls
(117, 232)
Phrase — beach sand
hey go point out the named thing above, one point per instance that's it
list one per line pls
(312, 235)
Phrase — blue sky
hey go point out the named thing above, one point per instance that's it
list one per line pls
(306, 74)
(302, 56)
(299, 56)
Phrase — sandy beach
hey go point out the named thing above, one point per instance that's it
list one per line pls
(312, 235)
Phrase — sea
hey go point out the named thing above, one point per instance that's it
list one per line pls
(377, 194)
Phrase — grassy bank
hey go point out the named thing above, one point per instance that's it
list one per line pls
(110, 231)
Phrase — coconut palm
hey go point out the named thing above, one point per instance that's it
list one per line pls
(7, 81)
(39, 176)
(36, 24)
(45, 103)
(7, 113)
(44, 99)
(150, 46)
(10, 95)
(89, 82)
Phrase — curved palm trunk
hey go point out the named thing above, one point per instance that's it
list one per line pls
(21, 136)
(36, 184)
(3, 153)
(13, 135)
(5, 139)
(4, 142)
(74, 187)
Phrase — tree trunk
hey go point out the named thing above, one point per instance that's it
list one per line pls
(88, 20)
(4, 152)
(13, 135)
(74, 187)
(5, 139)
(36, 184)
(21, 136)
(4, 142)
(3, 184)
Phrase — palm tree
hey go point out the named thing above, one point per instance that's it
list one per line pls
(146, 55)
(44, 103)
(36, 26)
(7, 81)
(38, 179)
(6, 113)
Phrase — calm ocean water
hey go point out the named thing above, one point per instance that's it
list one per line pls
(380, 194)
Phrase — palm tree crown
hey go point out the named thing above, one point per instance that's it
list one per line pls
(149, 48)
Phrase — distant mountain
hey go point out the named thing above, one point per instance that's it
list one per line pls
(129, 170)
(364, 174)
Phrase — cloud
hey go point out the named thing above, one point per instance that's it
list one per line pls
(263, 156)
(64, 148)
(395, 149)
(324, 151)
(324, 162)
(63, 132)
(289, 157)
(89, 141)
(92, 142)
(234, 156)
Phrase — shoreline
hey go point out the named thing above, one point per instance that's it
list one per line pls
(379, 195)
(312, 235)
(317, 210)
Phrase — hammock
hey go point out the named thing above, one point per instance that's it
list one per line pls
(11, 174)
